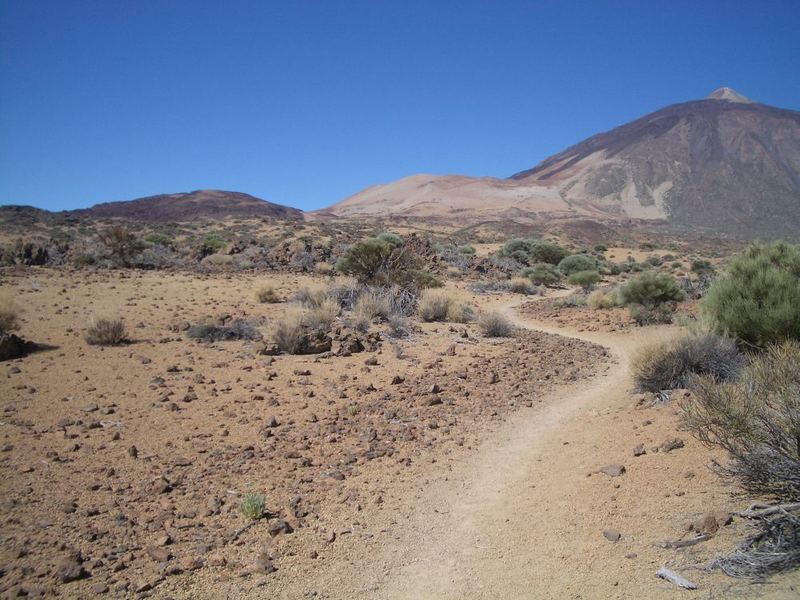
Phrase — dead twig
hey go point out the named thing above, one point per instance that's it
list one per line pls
(675, 579)
(757, 511)
(674, 544)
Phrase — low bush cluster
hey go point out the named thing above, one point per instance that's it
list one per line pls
(495, 324)
(240, 329)
(441, 305)
(106, 332)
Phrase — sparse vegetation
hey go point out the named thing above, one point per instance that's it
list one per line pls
(757, 299)
(756, 419)
(542, 274)
(585, 279)
(577, 262)
(322, 315)
(603, 299)
(266, 294)
(651, 296)
(671, 365)
(9, 313)
(253, 507)
(121, 244)
(106, 332)
(288, 332)
(240, 329)
(521, 285)
(495, 324)
(441, 305)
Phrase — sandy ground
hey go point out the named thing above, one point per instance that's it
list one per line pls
(494, 493)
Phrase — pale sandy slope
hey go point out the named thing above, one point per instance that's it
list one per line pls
(451, 195)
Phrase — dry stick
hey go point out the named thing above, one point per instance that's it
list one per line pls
(762, 510)
(684, 543)
(675, 579)
(241, 530)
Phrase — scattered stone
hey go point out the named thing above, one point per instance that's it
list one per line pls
(612, 535)
(670, 445)
(639, 450)
(613, 470)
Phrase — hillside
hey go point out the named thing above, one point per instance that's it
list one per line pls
(190, 206)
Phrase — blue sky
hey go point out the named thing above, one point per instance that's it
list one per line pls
(304, 103)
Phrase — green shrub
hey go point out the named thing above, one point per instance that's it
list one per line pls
(253, 507)
(390, 238)
(121, 244)
(516, 246)
(366, 259)
(757, 299)
(585, 279)
(466, 249)
(494, 324)
(577, 262)
(650, 290)
(106, 332)
(545, 252)
(542, 274)
(671, 365)
(756, 418)
(571, 301)
(702, 266)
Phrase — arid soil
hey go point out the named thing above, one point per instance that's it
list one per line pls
(446, 465)
(124, 466)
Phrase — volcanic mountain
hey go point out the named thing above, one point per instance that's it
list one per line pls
(723, 163)
(190, 206)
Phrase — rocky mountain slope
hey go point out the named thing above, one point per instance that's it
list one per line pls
(189, 206)
(723, 163)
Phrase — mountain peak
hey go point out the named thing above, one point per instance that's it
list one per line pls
(729, 95)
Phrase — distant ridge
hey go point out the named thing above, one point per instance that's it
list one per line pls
(191, 206)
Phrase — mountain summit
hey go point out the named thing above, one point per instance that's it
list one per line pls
(722, 164)
(729, 94)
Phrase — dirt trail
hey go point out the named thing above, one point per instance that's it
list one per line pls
(524, 516)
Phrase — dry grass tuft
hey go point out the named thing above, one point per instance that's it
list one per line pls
(494, 324)
(266, 294)
(9, 313)
(106, 332)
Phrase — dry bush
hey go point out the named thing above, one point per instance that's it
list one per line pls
(441, 305)
(241, 329)
(399, 327)
(267, 294)
(9, 313)
(603, 300)
(289, 330)
(756, 418)
(322, 315)
(521, 285)
(106, 332)
(671, 365)
(433, 305)
(311, 295)
(323, 268)
(372, 304)
(494, 324)
(347, 292)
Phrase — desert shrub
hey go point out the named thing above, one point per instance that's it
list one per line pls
(433, 305)
(9, 313)
(545, 252)
(266, 294)
(120, 243)
(347, 292)
(218, 260)
(650, 290)
(516, 247)
(670, 365)
(542, 274)
(520, 285)
(253, 507)
(213, 243)
(371, 305)
(585, 279)
(702, 266)
(654, 260)
(441, 305)
(287, 333)
(366, 259)
(466, 249)
(615, 268)
(158, 239)
(494, 324)
(603, 299)
(322, 315)
(106, 332)
(577, 262)
(756, 419)
(418, 278)
(757, 299)
(399, 327)
(240, 329)
(390, 238)
(303, 260)
(311, 295)
(571, 301)
(323, 268)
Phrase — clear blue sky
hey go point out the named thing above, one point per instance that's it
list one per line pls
(304, 103)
